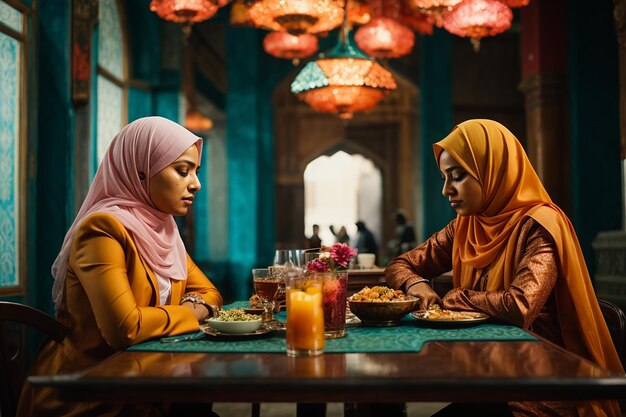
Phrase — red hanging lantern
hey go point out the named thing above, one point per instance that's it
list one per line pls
(384, 37)
(478, 18)
(297, 16)
(287, 46)
(184, 11)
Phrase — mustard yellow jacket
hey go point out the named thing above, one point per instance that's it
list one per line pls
(110, 302)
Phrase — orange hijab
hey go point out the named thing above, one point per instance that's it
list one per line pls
(511, 191)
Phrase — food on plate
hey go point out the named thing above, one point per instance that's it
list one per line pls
(236, 314)
(435, 312)
(379, 294)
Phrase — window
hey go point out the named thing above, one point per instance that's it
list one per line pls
(13, 70)
(111, 78)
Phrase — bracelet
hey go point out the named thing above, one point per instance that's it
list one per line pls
(197, 299)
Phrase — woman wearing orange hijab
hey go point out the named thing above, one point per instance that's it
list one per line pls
(514, 256)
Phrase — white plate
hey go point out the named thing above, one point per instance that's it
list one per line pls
(477, 318)
(209, 331)
(234, 327)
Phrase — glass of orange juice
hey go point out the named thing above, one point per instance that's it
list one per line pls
(305, 316)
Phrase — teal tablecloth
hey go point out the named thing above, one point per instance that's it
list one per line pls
(408, 337)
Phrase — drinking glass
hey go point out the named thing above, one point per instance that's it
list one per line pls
(290, 258)
(334, 291)
(286, 262)
(305, 316)
(266, 287)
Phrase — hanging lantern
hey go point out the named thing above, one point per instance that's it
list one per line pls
(436, 8)
(384, 37)
(343, 81)
(287, 46)
(516, 3)
(197, 122)
(239, 15)
(478, 18)
(184, 11)
(297, 16)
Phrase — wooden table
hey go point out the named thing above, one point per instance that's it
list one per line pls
(441, 371)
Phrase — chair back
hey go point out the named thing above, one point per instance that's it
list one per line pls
(15, 318)
(616, 322)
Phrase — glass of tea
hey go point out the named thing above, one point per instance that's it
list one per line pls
(266, 287)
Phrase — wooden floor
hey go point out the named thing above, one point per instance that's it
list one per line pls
(333, 410)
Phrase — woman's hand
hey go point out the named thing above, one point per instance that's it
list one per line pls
(199, 310)
(425, 294)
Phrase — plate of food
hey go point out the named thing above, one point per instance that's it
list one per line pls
(234, 321)
(213, 333)
(381, 306)
(436, 316)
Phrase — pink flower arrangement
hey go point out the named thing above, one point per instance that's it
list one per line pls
(338, 258)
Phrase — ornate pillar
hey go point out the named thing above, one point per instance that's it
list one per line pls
(543, 84)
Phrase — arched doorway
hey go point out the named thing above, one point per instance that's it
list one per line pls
(387, 135)
(339, 190)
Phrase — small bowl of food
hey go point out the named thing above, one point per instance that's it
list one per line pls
(381, 306)
(235, 321)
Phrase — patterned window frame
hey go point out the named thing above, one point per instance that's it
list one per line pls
(102, 74)
(14, 282)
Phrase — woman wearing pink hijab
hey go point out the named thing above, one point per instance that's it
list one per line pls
(123, 275)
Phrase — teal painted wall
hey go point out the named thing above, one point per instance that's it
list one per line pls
(436, 119)
(594, 121)
(243, 147)
(252, 76)
(55, 146)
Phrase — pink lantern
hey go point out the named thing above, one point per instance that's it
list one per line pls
(384, 37)
(184, 11)
(478, 18)
(287, 46)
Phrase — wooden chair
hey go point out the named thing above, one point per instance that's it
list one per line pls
(15, 318)
(616, 321)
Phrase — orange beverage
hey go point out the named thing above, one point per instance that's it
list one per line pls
(305, 319)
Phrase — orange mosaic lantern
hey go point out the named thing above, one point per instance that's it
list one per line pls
(343, 81)
(287, 46)
(297, 16)
(184, 11)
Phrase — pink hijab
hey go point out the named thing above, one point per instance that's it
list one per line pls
(145, 146)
